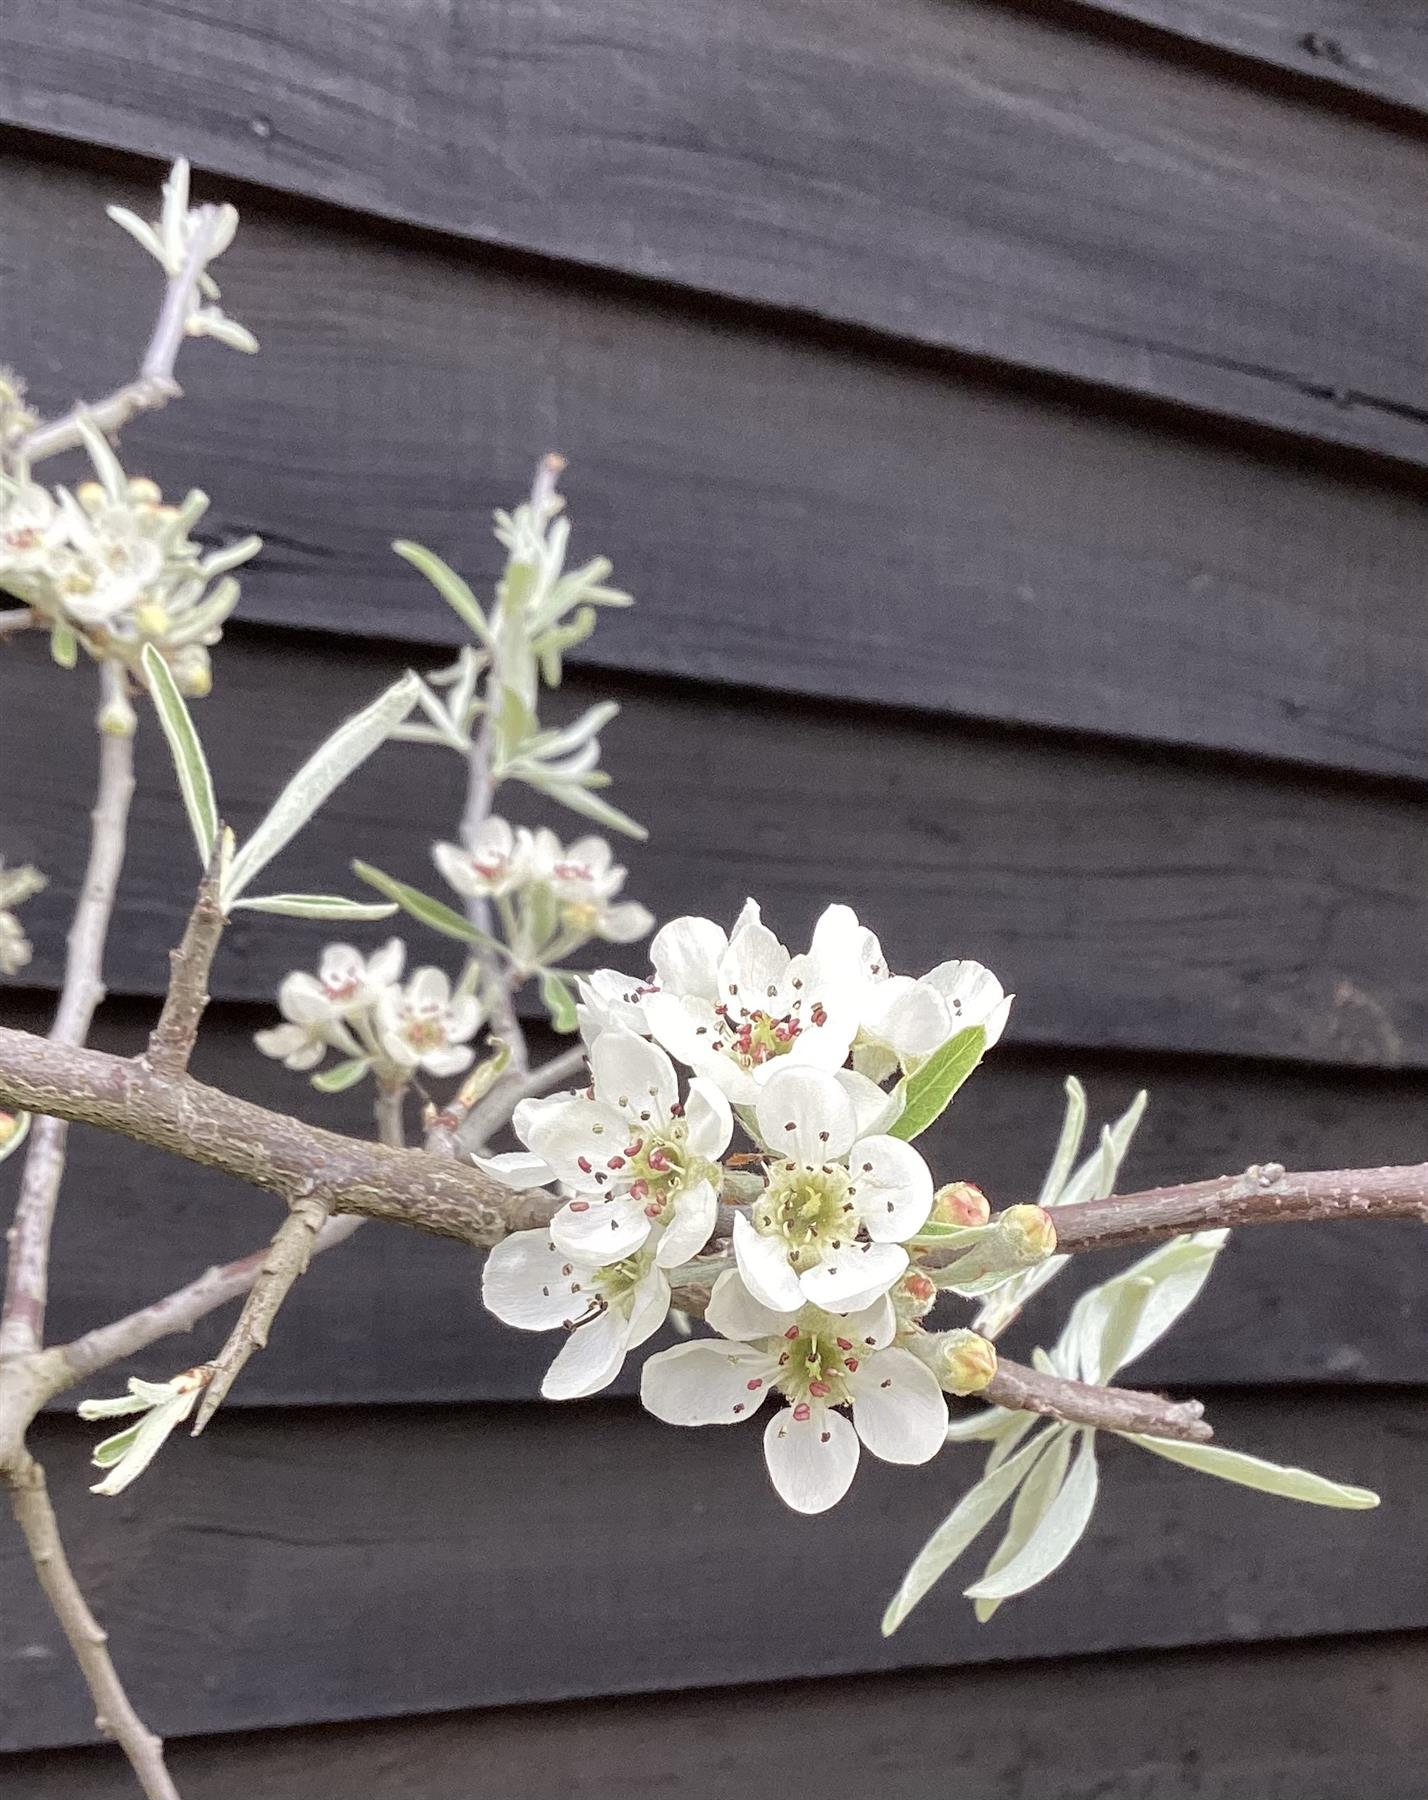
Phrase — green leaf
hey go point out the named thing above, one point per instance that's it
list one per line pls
(449, 585)
(1176, 1271)
(557, 1000)
(107, 1453)
(17, 1136)
(190, 764)
(930, 1088)
(329, 765)
(342, 1076)
(318, 906)
(1056, 1535)
(590, 806)
(64, 646)
(1253, 1472)
(971, 1515)
(1073, 1127)
(434, 913)
(1028, 1510)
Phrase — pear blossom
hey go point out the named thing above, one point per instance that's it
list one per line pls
(423, 1026)
(320, 1009)
(902, 1019)
(639, 1163)
(837, 1206)
(585, 879)
(16, 885)
(734, 1008)
(608, 1309)
(495, 863)
(818, 1363)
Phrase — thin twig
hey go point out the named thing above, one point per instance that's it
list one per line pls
(1107, 1408)
(171, 1043)
(490, 1114)
(154, 386)
(288, 1256)
(27, 1272)
(182, 1309)
(114, 1715)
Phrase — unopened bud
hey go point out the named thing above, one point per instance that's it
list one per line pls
(914, 1295)
(966, 1361)
(90, 495)
(193, 672)
(117, 717)
(151, 618)
(960, 1203)
(9, 1126)
(144, 492)
(1029, 1232)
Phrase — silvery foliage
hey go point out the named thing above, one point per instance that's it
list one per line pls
(1048, 1471)
(111, 568)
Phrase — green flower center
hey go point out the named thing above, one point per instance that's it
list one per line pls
(809, 1206)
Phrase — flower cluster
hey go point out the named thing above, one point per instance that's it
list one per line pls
(112, 567)
(551, 898)
(359, 1007)
(820, 1302)
(16, 886)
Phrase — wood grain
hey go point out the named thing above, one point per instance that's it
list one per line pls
(303, 1567)
(958, 176)
(889, 531)
(1284, 1722)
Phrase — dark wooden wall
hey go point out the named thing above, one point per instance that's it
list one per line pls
(1013, 420)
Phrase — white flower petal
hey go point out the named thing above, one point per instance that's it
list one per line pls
(752, 969)
(709, 1118)
(910, 1016)
(892, 1188)
(874, 1109)
(526, 1284)
(849, 1279)
(429, 988)
(648, 1309)
(806, 1114)
(450, 1061)
(634, 1075)
(899, 1410)
(875, 1326)
(685, 955)
(973, 996)
(518, 1169)
(625, 923)
(763, 1263)
(578, 1139)
(600, 1231)
(696, 1212)
(385, 966)
(590, 1358)
(734, 1312)
(812, 1460)
(704, 1383)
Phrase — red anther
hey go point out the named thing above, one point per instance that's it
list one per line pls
(659, 1162)
(844, 1343)
(803, 1412)
(754, 1385)
(638, 1189)
(851, 1364)
(583, 1163)
(635, 1148)
(653, 1210)
(579, 1206)
(818, 1014)
(615, 1162)
(791, 1333)
(819, 1389)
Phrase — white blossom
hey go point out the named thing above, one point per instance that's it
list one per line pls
(734, 1008)
(496, 862)
(818, 1363)
(837, 1206)
(16, 886)
(638, 1163)
(608, 1309)
(320, 1009)
(902, 1018)
(585, 879)
(423, 1026)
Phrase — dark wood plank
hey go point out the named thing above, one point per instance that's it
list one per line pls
(395, 1317)
(1133, 900)
(300, 1568)
(885, 530)
(957, 176)
(1284, 1722)
(1377, 48)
